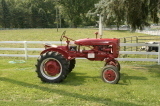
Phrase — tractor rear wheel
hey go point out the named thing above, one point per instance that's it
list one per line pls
(52, 67)
(71, 65)
(110, 74)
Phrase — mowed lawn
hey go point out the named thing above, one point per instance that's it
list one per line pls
(53, 35)
(19, 85)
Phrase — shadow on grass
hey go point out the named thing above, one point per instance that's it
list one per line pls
(107, 101)
(76, 79)
(127, 79)
(124, 31)
(154, 69)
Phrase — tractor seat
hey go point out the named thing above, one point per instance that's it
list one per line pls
(50, 45)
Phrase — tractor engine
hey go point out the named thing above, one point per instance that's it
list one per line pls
(99, 49)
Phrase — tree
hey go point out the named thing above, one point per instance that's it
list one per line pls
(135, 13)
(19, 14)
(112, 11)
(75, 10)
(42, 13)
(154, 8)
(33, 15)
(43, 21)
(137, 18)
(5, 16)
(1, 11)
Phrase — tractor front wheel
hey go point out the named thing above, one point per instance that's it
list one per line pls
(110, 74)
(114, 63)
(52, 67)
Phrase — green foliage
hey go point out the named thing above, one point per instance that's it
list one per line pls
(72, 13)
(45, 13)
(137, 17)
(135, 13)
(112, 11)
(5, 18)
(27, 13)
(43, 21)
(75, 10)
(154, 7)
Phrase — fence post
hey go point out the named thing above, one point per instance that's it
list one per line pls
(124, 42)
(131, 42)
(136, 42)
(159, 53)
(25, 50)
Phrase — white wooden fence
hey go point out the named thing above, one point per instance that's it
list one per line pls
(26, 49)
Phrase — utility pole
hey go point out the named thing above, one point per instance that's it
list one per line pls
(57, 17)
(100, 25)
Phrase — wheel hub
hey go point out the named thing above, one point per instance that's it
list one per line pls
(52, 67)
(110, 75)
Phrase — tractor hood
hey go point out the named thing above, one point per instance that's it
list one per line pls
(103, 41)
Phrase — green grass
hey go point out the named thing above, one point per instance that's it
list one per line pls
(20, 86)
(53, 35)
(139, 85)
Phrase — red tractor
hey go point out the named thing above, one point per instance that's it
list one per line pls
(55, 62)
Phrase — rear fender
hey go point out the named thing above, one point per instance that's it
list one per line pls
(65, 54)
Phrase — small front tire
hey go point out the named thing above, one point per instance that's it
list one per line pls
(110, 74)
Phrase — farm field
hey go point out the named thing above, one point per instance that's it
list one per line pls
(53, 35)
(20, 86)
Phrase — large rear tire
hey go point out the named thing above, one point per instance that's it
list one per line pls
(71, 65)
(110, 74)
(52, 67)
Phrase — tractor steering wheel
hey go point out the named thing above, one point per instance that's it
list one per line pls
(62, 36)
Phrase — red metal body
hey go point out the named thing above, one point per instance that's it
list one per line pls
(100, 49)
(56, 62)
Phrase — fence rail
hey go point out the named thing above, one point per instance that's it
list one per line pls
(26, 49)
(138, 39)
